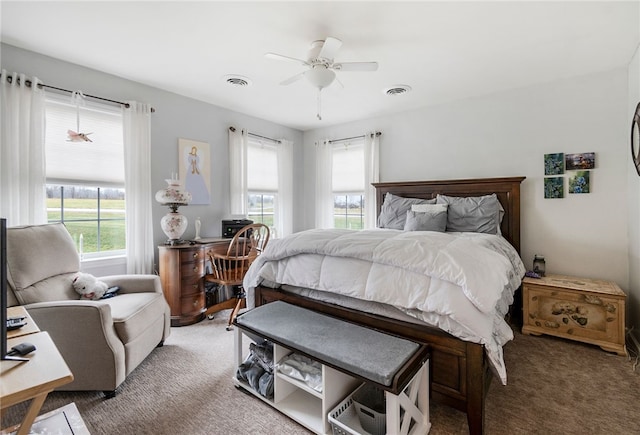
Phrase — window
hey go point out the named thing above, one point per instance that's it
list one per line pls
(348, 184)
(85, 180)
(262, 182)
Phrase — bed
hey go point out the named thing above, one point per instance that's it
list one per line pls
(461, 369)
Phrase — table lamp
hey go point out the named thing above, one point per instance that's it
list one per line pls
(173, 224)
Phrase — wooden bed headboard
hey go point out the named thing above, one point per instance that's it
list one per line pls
(506, 188)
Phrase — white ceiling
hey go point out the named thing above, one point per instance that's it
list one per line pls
(444, 50)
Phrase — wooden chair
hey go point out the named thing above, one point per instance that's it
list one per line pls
(229, 268)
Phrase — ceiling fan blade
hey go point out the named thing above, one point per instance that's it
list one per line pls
(277, 56)
(330, 48)
(356, 66)
(292, 79)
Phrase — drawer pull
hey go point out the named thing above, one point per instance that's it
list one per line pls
(195, 254)
(195, 268)
(195, 286)
(195, 302)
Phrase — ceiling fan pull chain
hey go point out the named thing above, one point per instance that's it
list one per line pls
(319, 107)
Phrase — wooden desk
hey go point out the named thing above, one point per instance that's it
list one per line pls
(33, 379)
(182, 269)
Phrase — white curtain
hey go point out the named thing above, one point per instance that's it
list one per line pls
(324, 188)
(284, 224)
(238, 144)
(22, 161)
(138, 197)
(371, 175)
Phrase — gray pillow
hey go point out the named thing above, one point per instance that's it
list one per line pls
(478, 214)
(432, 220)
(393, 213)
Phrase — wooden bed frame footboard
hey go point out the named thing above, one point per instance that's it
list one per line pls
(460, 372)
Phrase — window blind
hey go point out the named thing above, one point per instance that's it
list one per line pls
(348, 168)
(100, 162)
(262, 167)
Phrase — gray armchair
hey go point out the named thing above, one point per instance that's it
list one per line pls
(101, 341)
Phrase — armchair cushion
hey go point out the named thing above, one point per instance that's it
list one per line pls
(132, 313)
(42, 262)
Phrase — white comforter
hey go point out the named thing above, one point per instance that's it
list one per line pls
(460, 282)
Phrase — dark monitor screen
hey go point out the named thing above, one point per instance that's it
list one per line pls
(3, 287)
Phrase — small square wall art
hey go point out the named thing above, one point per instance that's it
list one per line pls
(554, 164)
(579, 182)
(554, 187)
(580, 161)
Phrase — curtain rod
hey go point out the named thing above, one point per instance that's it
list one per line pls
(257, 135)
(377, 133)
(28, 83)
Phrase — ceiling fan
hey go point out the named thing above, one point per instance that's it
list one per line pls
(322, 66)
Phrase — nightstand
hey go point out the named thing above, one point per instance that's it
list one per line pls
(587, 310)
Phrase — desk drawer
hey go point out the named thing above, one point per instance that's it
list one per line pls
(192, 255)
(192, 304)
(191, 270)
(192, 285)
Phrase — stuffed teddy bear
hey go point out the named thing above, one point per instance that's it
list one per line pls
(89, 287)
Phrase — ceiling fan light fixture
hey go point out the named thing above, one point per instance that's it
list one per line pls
(320, 76)
(397, 90)
(236, 80)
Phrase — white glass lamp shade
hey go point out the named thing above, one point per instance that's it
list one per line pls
(174, 225)
(173, 194)
(320, 76)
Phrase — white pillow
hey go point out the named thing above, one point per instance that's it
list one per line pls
(424, 208)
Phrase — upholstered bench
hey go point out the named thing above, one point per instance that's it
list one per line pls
(397, 365)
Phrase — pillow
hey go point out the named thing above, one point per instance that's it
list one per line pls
(478, 214)
(393, 213)
(422, 208)
(433, 220)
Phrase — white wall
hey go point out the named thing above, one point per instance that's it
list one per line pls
(633, 300)
(507, 134)
(175, 117)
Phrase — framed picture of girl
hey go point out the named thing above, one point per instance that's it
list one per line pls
(193, 166)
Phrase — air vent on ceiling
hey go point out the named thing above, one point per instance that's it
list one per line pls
(235, 80)
(397, 89)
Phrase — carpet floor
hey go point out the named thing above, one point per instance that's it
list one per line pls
(554, 387)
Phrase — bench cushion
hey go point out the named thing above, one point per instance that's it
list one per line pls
(365, 352)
